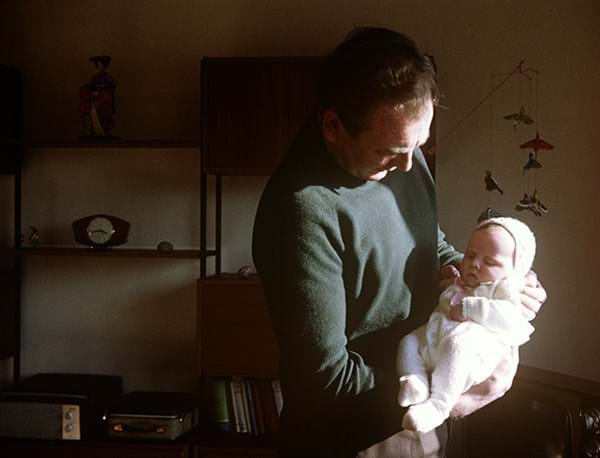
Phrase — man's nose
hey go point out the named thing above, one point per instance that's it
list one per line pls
(403, 161)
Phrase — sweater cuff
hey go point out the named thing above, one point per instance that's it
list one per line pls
(469, 304)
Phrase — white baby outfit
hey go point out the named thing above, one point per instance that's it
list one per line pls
(457, 354)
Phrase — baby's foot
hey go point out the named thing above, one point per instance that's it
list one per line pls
(425, 416)
(413, 390)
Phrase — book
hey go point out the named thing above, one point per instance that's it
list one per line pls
(220, 404)
(245, 406)
(268, 407)
(260, 419)
(277, 395)
(237, 402)
(251, 406)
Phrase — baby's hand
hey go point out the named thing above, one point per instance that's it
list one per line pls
(456, 313)
(447, 276)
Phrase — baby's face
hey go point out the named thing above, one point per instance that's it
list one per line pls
(489, 256)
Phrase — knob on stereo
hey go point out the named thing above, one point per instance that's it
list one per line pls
(71, 422)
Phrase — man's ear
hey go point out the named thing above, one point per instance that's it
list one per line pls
(331, 125)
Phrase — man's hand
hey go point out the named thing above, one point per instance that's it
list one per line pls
(490, 389)
(533, 295)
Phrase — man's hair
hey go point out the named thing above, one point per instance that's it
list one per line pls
(370, 67)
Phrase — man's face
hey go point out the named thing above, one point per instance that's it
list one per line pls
(387, 144)
(489, 256)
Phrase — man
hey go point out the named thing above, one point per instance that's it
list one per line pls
(348, 247)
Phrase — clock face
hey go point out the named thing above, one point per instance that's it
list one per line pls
(100, 230)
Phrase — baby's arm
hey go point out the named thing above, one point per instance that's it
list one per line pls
(500, 315)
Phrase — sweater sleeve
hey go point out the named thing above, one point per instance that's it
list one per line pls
(499, 315)
(446, 252)
(305, 291)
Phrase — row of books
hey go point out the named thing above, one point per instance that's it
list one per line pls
(246, 405)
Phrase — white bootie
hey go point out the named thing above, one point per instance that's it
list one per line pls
(425, 416)
(413, 390)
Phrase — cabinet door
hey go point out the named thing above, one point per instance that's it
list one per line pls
(252, 108)
(10, 119)
(9, 311)
(235, 333)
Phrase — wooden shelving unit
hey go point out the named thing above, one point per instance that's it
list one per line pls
(251, 110)
(110, 253)
(163, 143)
(20, 251)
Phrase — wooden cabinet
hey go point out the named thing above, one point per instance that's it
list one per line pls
(234, 331)
(235, 453)
(10, 157)
(9, 334)
(10, 119)
(62, 449)
(252, 108)
(235, 337)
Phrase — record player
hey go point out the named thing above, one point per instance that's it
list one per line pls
(58, 406)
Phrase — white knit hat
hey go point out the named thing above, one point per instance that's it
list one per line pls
(524, 241)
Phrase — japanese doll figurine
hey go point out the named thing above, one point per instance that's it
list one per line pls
(97, 100)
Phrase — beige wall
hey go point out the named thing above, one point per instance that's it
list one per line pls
(136, 318)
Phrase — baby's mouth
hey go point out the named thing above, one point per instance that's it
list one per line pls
(471, 279)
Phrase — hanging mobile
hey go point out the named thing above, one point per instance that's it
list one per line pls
(529, 202)
(537, 144)
(490, 183)
(532, 204)
(488, 213)
(520, 117)
(532, 163)
(539, 206)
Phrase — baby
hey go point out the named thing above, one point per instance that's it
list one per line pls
(477, 321)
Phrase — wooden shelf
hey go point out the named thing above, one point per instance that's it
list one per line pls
(115, 252)
(240, 172)
(176, 143)
(209, 438)
(231, 279)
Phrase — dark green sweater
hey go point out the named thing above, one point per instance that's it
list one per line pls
(349, 267)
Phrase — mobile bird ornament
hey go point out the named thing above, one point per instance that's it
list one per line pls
(490, 183)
